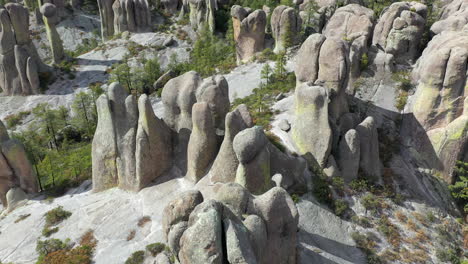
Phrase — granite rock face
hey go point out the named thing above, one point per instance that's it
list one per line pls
(50, 16)
(311, 131)
(202, 14)
(249, 31)
(397, 35)
(453, 17)
(349, 155)
(118, 16)
(369, 149)
(215, 234)
(17, 175)
(131, 146)
(19, 60)
(285, 27)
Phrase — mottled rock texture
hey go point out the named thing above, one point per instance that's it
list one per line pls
(285, 26)
(202, 14)
(50, 16)
(16, 172)
(249, 31)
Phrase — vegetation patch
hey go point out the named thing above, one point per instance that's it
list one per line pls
(21, 218)
(137, 257)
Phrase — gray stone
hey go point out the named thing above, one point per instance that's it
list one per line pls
(234, 197)
(257, 234)
(202, 14)
(307, 65)
(453, 17)
(215, 91)
(249, 32)
(225, 165)
(284, 125)
(254, 172)
(285, 27)
(202, 145)
(175, 233)
(15, 197)
(131, 15)
(49, 12)
(311, 131)
(238, 246)
(159, 84)
(162, 258)
(179, 96)
(179, 209)
(332, 169)
(107, 18)
(280, 215)
(369, 141)
(202, 241)
(349, 155)
(153, 145)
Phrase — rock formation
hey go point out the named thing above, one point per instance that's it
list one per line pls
(441, 73)
(131, 146)
(118, 16)
(369, 161)
(202, 146)
(397, 35)
(202, 14)
(49, 11)
(311, 131)
(253, 172)
(324, 61)
(225, 165)
(249, 31)
(453, 17)
(215, 91)
(131, 15)
(215, 230)
(285, 27)
(16, 172)
(352, 23)
(440, 97)
(19, 60)
(171, 6)
(349, 155)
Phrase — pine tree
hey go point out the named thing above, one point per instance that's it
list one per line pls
(266, 73)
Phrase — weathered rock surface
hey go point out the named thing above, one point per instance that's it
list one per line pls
(202, 241)
(131, 146)
(217, 234)
(215, 91)
(285, 27)
(202, 146)
(453, 17)
(225, 165)
(354, 23)
(50, 16)
(19, 61)
(178, 96)
(369, 149)
(399, 32)
(311, 131)
(131, 15)
(441, 73)
(254, 171)
(249, 31)
(107, 18)
(16, 172)
(349, 155)
(202, 14)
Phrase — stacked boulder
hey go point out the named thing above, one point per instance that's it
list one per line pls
(19, 60)
(397, 36)
(285, 27)
(118, 16)
(439, 103)
(324, 131)
(234, 227)
(17, 175)
(352, 23)
(50, 16)
(131, 146)
(249, 31)
(453, 17)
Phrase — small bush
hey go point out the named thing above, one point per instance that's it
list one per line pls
(338, 184)
(136, 258)
(431, 217)
(156, 248)
(340, 207)
(50, 245)
(390, 231)
(401, 216)
(362, 221)
(131, 235)
(370, 202)
(56, 216)
(49, 231)
(359, 185)
(143, 221)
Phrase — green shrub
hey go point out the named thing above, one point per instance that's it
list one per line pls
(338, 183)
(156, 248)
(359, 185)
(45, 247)
(12, 121)
(322, 191)
(86, 46)
(390, 231)
(459, 189)
(340, 207)
(371, 202)
(361, 220)
(448, 255)
(364, 62)
(49, 231)
(136, 258)
(56, 216)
